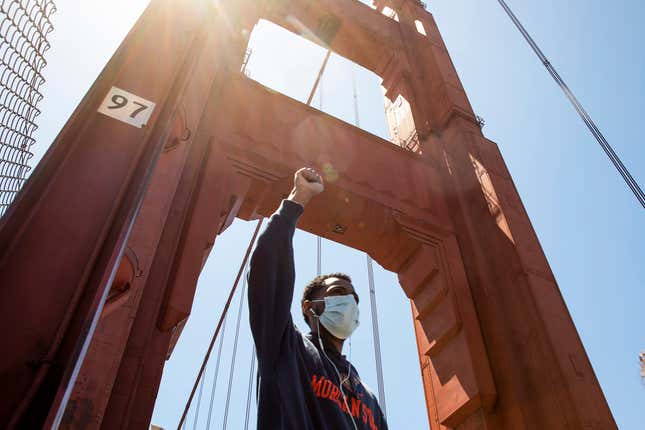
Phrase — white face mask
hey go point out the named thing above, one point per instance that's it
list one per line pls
(340, 316)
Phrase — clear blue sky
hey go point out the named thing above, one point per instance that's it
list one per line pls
(590, 226)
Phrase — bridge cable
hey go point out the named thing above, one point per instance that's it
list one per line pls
(250, 390)
(319, 255)
(217, 366)
(221, 321)
(377, 338)
(613, 157)
(199, 400)
(237, 336)
(320, 107)
(319, 83)
(370, 276)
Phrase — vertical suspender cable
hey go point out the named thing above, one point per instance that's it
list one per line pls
(217, 363)
(370, 275)
(321, 86)
(613, 157)
(377, 337)
(250, 391)
(237, 336)
(318, 83)
(221, 321)
(318, 238)
(199, 400)
(357, 118)
(319, 256)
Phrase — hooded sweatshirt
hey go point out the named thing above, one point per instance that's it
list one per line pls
(298, 387)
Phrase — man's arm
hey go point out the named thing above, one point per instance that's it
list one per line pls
(272, 274)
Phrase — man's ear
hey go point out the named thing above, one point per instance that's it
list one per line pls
(307, 312)
(306, 307)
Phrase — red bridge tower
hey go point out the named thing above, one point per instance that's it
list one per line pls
(101, 251)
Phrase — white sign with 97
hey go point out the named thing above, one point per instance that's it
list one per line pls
(127, 107)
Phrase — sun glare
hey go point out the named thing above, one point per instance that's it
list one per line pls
(289, 64)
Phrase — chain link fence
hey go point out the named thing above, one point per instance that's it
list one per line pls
(24, 26)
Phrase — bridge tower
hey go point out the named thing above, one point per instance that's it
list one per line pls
(101, 251)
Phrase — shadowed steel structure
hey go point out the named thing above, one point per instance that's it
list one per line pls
(173, 142)
(24, 26)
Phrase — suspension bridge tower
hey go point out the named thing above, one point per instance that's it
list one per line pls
(101, 251)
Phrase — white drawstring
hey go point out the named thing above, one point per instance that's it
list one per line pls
(340, 379)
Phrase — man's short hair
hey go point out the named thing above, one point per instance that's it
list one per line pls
(318, 283)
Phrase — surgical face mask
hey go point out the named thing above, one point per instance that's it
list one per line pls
(340, 316)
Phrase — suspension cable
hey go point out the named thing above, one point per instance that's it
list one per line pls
(217, 363)
(250, 390)
(319, 83)
(377, 338)
(357, 118)
(237, 336)
(319, 256)
(370, 276)
(199, 400)
(221, 320)
(318, 238)
(613, 157)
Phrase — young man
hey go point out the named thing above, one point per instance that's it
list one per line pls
(304, 381)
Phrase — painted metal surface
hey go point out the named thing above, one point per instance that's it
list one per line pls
(497, 347)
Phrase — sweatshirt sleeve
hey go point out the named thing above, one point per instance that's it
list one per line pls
(271, 285)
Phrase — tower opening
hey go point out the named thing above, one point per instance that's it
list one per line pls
(420, 27)
(290, 64)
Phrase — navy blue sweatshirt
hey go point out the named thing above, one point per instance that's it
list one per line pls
(298, 387)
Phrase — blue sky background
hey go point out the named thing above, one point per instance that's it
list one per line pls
(590, 226)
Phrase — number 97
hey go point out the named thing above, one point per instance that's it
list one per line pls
(120, 102)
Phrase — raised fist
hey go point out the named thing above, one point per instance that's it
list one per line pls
(307, 183)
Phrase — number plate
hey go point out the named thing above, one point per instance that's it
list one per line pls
(127, 107)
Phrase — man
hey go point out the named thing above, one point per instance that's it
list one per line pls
(304, 381)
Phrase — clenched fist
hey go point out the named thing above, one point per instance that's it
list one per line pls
(307, 183)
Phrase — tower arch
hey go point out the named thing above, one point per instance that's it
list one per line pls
(497, 346)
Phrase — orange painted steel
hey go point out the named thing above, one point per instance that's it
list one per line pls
(101, 252)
